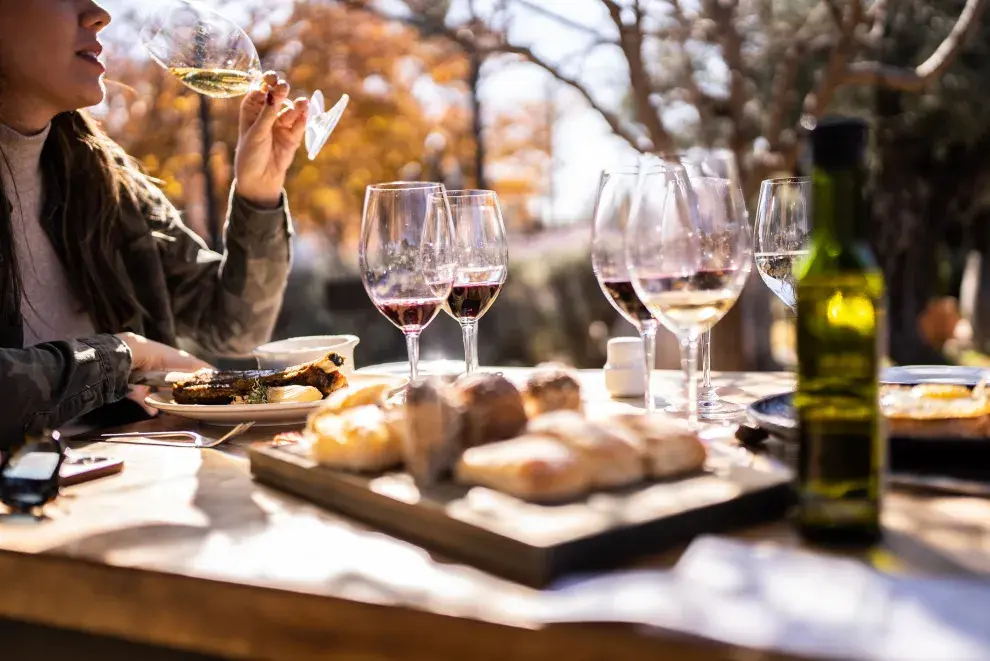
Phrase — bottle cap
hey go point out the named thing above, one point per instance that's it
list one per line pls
(839, 142)
(625, 351)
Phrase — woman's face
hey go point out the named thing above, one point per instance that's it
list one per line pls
(48, 58)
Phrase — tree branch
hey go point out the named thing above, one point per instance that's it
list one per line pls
(913, 80)
(631, 42)
(564, 20)
(836, 10)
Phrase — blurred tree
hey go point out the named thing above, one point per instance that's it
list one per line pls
(744, 73)
(408, 116)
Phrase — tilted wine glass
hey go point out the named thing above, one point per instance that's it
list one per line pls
(212, 55)
(482, 256)
(688, 253)
(406, 255)
(783, 226)
(617, 193)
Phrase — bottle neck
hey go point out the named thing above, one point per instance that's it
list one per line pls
(839, 205)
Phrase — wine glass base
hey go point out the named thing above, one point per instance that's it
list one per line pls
(717, 409)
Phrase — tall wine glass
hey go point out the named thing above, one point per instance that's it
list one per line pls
(688, 253)
(719, 163)
(212, 55)
(482, 256)
(783, 225)
(406, 255)
(618, 191)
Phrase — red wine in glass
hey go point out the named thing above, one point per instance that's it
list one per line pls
(410, 315)
(471, 300)
(626, 301)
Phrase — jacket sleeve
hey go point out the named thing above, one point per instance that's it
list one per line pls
(228, 303)
(48, 384)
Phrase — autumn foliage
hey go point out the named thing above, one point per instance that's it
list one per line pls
(403, 88)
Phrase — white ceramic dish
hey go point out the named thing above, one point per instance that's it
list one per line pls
(951, 374)
(261, 414)
(443, 367)
(296, 350)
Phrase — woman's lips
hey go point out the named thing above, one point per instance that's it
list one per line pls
(93, 59)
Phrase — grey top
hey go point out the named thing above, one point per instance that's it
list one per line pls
(48, 305)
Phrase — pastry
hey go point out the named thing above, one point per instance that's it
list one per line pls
(353, 397)
(532, 467)
(493, 408)
(356, 439)
(613, 454)
(936, 411)
(429, 427)
(552, 387)
(668, 450)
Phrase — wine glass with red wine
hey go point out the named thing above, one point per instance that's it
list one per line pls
(688, 251)
(406, 255)
(617, 193)
(482, 256)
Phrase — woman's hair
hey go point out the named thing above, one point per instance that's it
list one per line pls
(93, 180)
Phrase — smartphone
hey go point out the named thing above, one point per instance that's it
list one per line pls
(78, 468)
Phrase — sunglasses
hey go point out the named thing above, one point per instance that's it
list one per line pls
(29, 475)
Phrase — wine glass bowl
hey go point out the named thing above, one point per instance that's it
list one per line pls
(212, 55)
(618, 193)
(688, 253)
(482, 256)
(406, 255)
(783, 227)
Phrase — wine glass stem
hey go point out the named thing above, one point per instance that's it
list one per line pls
(689, 363)
(412, 346)
(706, 360)
(648, 331)
(469, 330)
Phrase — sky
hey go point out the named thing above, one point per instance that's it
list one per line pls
(582, 143)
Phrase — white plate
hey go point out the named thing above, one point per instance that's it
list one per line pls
(912, 374)
(261, 414)
(442, 367)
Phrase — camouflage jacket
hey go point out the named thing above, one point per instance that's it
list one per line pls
(225, 304)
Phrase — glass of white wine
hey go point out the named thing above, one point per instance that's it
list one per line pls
(689, 253)
(783, 225)
(213, 56)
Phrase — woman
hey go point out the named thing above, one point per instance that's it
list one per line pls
(98, 275)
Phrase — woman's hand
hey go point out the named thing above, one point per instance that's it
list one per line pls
(150, 356)
(271, 129)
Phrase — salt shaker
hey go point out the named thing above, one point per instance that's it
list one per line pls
(625, 369)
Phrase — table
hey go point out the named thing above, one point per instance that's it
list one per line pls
(184, 551)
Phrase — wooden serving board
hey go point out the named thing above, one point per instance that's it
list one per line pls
(535, 544)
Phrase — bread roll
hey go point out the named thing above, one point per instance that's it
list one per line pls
(493, 408)
(356, 439)
(668, 450)
(612, 454)
(532, 467)
(552, 387)
(429, 426)
(353, 397)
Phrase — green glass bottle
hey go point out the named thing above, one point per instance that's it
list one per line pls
(840, 340)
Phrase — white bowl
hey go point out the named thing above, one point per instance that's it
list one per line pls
(296, 350)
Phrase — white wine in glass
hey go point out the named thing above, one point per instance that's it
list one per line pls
(210, 54)
(688, 254)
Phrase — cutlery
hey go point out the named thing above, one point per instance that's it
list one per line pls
(191, 439)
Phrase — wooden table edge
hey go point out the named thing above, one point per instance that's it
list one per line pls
(240, 621)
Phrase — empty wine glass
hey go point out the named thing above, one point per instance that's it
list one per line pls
(783, 225)
(617, 193)
(688, 253)
(212, 55)
(406, 255)
(482, 257)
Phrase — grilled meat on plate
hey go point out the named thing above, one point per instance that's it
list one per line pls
(224, 387)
